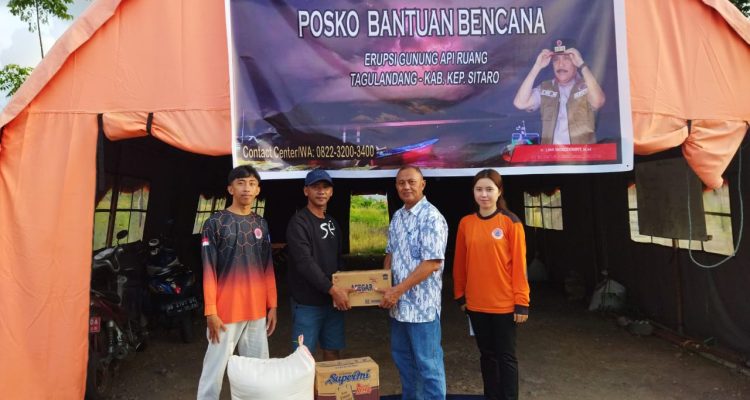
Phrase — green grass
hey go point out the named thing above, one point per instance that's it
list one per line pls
(368, 224)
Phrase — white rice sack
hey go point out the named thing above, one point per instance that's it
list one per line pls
(290, 378)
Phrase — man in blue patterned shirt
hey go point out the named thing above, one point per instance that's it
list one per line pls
(417, 237)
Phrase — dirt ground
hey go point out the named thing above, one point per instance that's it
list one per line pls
(564, 351)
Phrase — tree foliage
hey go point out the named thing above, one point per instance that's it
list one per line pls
(37, 12)
(11, 78)
(743, 5)
(31, 11)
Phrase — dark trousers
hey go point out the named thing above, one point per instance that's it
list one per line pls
(496, 339)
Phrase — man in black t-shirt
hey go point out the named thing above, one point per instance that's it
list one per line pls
(314, 244)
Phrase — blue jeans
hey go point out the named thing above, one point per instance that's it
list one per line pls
(416, 350)
(320, 325)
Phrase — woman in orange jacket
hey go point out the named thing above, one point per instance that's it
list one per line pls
(490, 284)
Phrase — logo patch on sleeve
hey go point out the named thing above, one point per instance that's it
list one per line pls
(204, 241)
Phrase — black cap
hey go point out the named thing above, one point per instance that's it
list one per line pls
(317, 175)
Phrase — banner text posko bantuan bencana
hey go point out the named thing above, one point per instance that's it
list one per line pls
(455, 87)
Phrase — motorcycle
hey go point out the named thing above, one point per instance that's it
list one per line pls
(117, 327)
(172, 287)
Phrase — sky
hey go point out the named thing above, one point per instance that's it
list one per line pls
(20, 46)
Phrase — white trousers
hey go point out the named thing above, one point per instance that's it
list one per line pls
(251, 340)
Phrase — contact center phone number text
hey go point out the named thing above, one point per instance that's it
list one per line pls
(344, 151)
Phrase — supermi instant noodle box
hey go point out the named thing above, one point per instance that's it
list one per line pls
(364, 284)
(353, 378)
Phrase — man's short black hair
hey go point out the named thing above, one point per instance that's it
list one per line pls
(243, 171)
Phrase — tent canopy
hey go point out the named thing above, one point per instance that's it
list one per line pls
(160, 68)
(682, 70)
(125, 60)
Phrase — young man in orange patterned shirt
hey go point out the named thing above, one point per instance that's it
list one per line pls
(238, 282)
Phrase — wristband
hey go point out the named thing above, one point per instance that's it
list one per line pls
(582, 65)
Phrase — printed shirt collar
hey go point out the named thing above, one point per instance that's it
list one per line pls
(422, 203)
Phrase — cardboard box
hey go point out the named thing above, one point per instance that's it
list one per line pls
(350, 379)
(364, 284)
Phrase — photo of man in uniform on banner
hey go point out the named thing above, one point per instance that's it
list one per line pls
(568, 103)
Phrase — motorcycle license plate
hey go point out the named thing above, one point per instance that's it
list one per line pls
(95, 324)
(181, 306)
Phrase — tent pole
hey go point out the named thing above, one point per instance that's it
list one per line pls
(678, 279)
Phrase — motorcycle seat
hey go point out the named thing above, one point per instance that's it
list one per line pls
(104, 254)
(107, 295)
(155, 270)
(102, 263)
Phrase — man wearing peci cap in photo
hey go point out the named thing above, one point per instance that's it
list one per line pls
(568, 103)
(314, 244)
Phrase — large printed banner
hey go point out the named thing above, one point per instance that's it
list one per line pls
(362, 88)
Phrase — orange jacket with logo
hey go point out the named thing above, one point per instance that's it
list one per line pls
(489, 268)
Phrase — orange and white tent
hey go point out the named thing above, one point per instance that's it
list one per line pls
(160, 68)
(687, 62)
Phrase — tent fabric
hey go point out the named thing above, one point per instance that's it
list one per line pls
(684, 71)
(46, 207)
(169, 127)
(78, 34)
(124, 60)
(732, 16)
(181, 75)
(128, 59)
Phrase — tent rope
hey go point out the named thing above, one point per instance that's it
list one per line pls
(742, 219)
